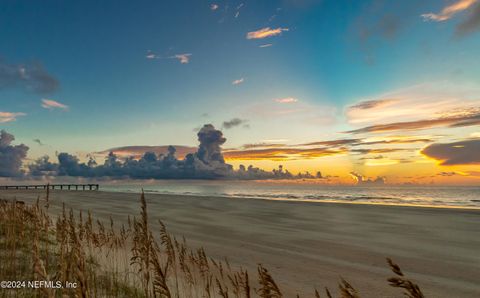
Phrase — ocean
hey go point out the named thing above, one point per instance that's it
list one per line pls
(428, 195)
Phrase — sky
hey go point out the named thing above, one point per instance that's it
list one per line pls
(377, 88)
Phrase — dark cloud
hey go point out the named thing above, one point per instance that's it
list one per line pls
(389, 25)
(396, 141)
(209, 156)
(383, 20)
(469, 119)
(380, 158)
(373, 157)
(234, 122)
(68, 165)
(31, 77)
(211, 141)
(370, 104)
(262, 145)
(43, 167)
(447, 174)
(361, 142)
(38, 141)
(11, 156)
(282, 153)
(458, 153)
(470, 24)
(138, 151)
(207, 162)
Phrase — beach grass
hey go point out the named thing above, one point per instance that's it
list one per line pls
(97, 258)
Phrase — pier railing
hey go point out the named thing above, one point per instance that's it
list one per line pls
(53, 186)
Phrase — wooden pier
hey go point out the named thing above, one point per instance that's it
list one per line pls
(53, 186)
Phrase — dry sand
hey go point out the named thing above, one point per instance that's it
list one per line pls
(307, 245)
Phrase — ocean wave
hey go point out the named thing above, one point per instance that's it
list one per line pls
(433, 196)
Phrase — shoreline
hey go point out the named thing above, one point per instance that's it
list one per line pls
(308, 245)
(313, 201)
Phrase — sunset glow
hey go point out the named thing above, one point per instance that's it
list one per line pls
(387, 91)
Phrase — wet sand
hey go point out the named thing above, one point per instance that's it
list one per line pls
(307, 245)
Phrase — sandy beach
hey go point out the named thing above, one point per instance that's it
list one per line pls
(307, 245)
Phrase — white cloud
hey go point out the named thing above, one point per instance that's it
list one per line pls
(151, 55)
(9, 116)
(265, 32)
(449, 11)
(52, 104)
(238, 82)
(214, 6)
(265, 45)
(183, 58)
(286, 100)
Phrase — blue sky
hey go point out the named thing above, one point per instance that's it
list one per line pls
(328, 56)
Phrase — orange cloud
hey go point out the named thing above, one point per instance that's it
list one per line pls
(9, 117)
(286, 100)
(279, 154)
(183, 58)
(52, 104)
(265, 32)
(449, 11)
